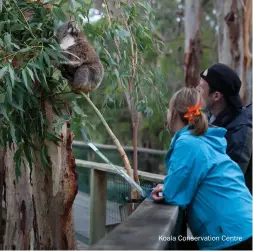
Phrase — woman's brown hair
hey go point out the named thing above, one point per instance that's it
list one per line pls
(184, 98)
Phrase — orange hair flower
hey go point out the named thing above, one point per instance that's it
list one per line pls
(193, 111)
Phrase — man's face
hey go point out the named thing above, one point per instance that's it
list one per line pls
(204, 89)
(211, 99)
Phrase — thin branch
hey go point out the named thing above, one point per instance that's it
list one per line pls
(243, 5)
(108, 13)
(24, 18)
(114, 138)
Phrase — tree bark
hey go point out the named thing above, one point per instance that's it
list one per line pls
(39, 203)
(135, 123)
(19, 206)
(234, 21)
(192, 42)
(2, 220)
(224, 54)
(246, 90)
(54, 191)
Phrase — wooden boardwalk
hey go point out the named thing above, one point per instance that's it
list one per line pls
(82, 216)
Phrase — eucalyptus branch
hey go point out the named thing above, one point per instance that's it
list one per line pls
(115, 39)
(1, 5)
(24, 19)
(114, 138)
(133, 56)
(108, 13)
(15, 53)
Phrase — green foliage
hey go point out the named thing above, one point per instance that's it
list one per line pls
(28, 79)
(149, 53)
(131, 59)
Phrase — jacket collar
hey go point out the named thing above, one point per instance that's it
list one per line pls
(225, 117)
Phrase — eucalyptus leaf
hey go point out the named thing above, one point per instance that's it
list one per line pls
(46, 58)
(28, 155)
(3, 71)
(24, 50)
(4, 112)
(7, 38)
(9, 91)
(78, 110)
(12, 131)
(30, 73)
(2, 97)
(52, 53)
(25, 79)
(16, 27)
(123, 33)
(12, 75)
(44, 156)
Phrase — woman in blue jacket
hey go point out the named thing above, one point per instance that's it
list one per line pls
(203, 179)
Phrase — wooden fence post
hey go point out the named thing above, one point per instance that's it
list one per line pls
(97, 205)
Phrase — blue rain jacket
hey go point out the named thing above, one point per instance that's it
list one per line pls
(203, 179)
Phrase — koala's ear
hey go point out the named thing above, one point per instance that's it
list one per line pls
(73, 28)
(70, 26)
(77, 28)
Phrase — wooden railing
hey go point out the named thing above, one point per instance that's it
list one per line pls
(151, 227)
(98, 181)
(80, 144)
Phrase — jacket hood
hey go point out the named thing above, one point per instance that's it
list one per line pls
(244, 118)
(229, 119)
(214, 137)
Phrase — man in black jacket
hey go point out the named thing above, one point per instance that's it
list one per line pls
(220, 86)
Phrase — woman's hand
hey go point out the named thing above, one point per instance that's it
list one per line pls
(155, 193)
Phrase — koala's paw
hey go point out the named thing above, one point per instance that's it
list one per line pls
(78, 90)
(67, 76)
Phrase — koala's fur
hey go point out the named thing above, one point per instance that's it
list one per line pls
(84, 71)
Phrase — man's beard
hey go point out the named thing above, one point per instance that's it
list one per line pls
(207, 110)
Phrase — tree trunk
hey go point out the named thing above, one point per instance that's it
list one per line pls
(19, 206)
(192, 42)
(39, 203)
(246, 90)
(224, 54)
(2, 220)
(234, 21)
(54, 191)
(135, 119)
(135, 124)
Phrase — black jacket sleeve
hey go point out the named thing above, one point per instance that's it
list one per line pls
(240, 145)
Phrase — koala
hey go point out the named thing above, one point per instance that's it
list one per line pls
(83, 70)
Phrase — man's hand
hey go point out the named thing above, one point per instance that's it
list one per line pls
(155, 193)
